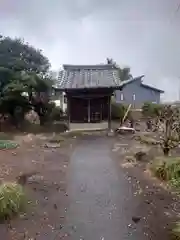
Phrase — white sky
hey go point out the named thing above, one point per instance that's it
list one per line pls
(143, 34)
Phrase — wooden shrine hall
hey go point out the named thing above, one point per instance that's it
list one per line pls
(88, 90)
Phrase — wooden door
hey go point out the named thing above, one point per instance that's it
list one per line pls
(78, 110)
(95, 110)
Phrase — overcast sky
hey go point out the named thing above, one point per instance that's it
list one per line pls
(143, 34)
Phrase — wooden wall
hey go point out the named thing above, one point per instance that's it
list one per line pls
(88, 110)
(88, 106)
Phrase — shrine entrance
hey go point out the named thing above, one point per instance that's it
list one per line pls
(88, 110)
(92, 106)
(88, 89)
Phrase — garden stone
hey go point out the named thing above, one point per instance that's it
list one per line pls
(52, 145)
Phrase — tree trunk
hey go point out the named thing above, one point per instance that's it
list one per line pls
(30, 96)
(1, 120)
(42, 120)
(166, 151)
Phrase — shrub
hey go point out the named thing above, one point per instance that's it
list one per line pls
(56, 114)
(118, 110)
(50, 112)
(151, 112)
(159, 169)
(151, 109)
(12, 200)
(167, 169)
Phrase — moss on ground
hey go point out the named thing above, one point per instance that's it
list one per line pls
(5, 144)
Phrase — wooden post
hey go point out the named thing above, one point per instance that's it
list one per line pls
(68, 112)
(109, 112)
(101, 112)
(89, 111)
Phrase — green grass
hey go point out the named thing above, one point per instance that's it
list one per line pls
(167, 169)
(5, 144)
(176, 232)
(12, 200)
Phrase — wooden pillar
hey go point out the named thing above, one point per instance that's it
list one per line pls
(101, 112)
(109, 112)
(68, 112)
(89, 111)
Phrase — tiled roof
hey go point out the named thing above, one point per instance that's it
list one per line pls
(124, 83)
(152, 88)
(88, 76)
(89, 67)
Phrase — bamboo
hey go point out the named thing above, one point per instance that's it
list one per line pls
(126, 113)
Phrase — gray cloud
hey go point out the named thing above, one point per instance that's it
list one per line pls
(143, 34)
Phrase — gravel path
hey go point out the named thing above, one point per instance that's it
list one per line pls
(105, 201)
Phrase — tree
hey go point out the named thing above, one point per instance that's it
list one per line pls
(169, 122)
(124, 73)
(110, 61)
(12, 102)
(38, 88)
(17, 55)
(23, 69)
(151, 112)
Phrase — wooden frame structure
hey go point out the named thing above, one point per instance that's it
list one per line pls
(89, 106)
(88, 90)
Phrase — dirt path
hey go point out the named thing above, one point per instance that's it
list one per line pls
(103, 201)
(85, 194)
